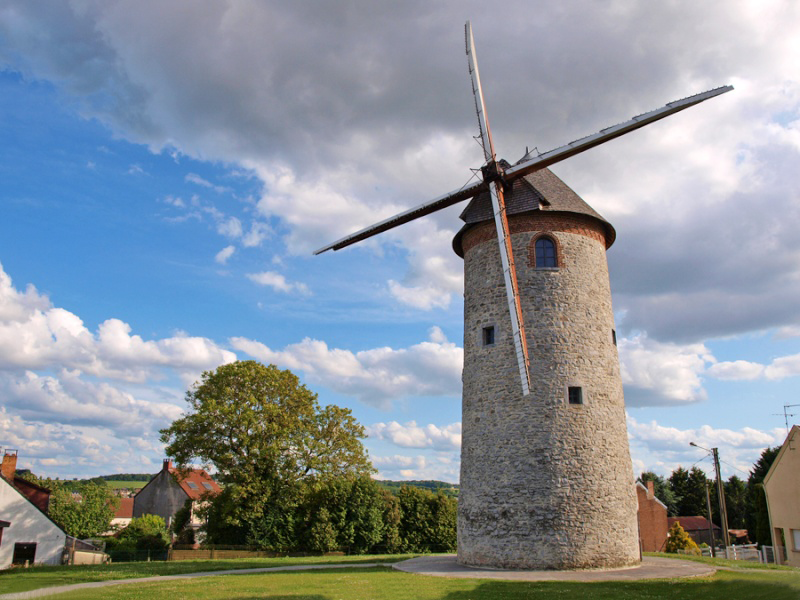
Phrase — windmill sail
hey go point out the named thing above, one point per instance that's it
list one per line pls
(500, 220)
(454, 197)
(494, 178)
(526, 167)
(609, 133)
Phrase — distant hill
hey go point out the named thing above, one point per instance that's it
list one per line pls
(127, 477)
(448, 489)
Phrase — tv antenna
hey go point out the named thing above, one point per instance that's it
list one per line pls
(787, 414)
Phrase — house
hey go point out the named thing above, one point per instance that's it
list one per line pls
(652, 519)
(697, 528)
(782, 488)
(26, 532)
(168, 491)
(123, 514)
(37, 494)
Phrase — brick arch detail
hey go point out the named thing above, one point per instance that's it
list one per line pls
(532, 248)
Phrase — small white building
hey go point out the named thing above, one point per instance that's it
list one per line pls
(30, 534)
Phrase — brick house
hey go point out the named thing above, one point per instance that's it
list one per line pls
(167, 492)
(652, 519)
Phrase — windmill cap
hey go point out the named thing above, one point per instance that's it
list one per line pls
(541, 190)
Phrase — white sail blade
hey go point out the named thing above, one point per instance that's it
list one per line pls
(477, 92)
(500, 221)
(512, 288)
(557, 155)
(427, 208)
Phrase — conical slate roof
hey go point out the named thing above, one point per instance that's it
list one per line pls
(541, 190)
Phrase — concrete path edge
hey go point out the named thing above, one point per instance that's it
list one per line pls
(652, 567)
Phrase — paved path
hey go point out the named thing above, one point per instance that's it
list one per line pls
(651, 568)
(60, 589)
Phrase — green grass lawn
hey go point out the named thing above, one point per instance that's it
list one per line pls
(115, 484)
(386, 584)
(23, 580)
(724, 562)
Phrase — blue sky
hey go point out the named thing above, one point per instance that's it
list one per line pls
(167, 172)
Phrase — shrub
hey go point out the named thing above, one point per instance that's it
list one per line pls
(678, 540)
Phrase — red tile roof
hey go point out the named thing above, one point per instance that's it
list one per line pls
(195, 482)
(125, 510)
(692, 523)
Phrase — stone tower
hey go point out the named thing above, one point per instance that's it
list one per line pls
(546, 479)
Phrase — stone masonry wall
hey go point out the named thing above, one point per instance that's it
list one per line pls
(544, 484)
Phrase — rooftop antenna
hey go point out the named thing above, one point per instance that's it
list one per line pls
(786, 415)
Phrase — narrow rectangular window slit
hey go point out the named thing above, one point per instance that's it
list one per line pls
(488, 336)
(614, 336)
(575, 395)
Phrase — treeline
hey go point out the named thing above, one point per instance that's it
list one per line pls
(352, 514)
(684, 494)
(448, 489)
(126, 477)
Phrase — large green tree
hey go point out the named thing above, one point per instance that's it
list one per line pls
(269, 440)
(85, 512)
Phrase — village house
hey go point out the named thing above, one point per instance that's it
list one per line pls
(169, 490)
(27, 534)
(123, 514)
(782, 488)
(652, 519)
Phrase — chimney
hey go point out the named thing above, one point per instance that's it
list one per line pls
(651, 490)
(167, 465)
(9, 467)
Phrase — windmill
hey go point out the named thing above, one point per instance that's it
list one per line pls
(545, 466)
(497, 178)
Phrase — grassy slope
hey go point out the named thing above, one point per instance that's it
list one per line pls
(385, 584)
(22, 580)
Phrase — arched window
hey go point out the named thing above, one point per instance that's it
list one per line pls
(545, 253)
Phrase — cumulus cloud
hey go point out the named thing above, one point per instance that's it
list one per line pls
(69, 399)
(341, 139)
(278, 282)
(376, 376)
(663, 448)
(36, 335)
(411, 435)
(657, 373)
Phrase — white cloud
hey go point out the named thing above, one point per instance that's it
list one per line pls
(662, 449)
(230, 227)
(196, 179)
(258, 232)
(36, 335)
(656, 373)
(278, 282)
(376, 376)
(737, 370)
(223, 255)
(410, 435)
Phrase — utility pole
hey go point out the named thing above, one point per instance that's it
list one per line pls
(723, 511)
(710, 521)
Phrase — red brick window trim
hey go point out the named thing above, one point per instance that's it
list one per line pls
(556, 247)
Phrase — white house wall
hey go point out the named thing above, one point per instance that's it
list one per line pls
(28, 525)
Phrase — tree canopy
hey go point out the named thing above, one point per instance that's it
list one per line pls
(253, 422)
(83, 514)
(270, 442)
